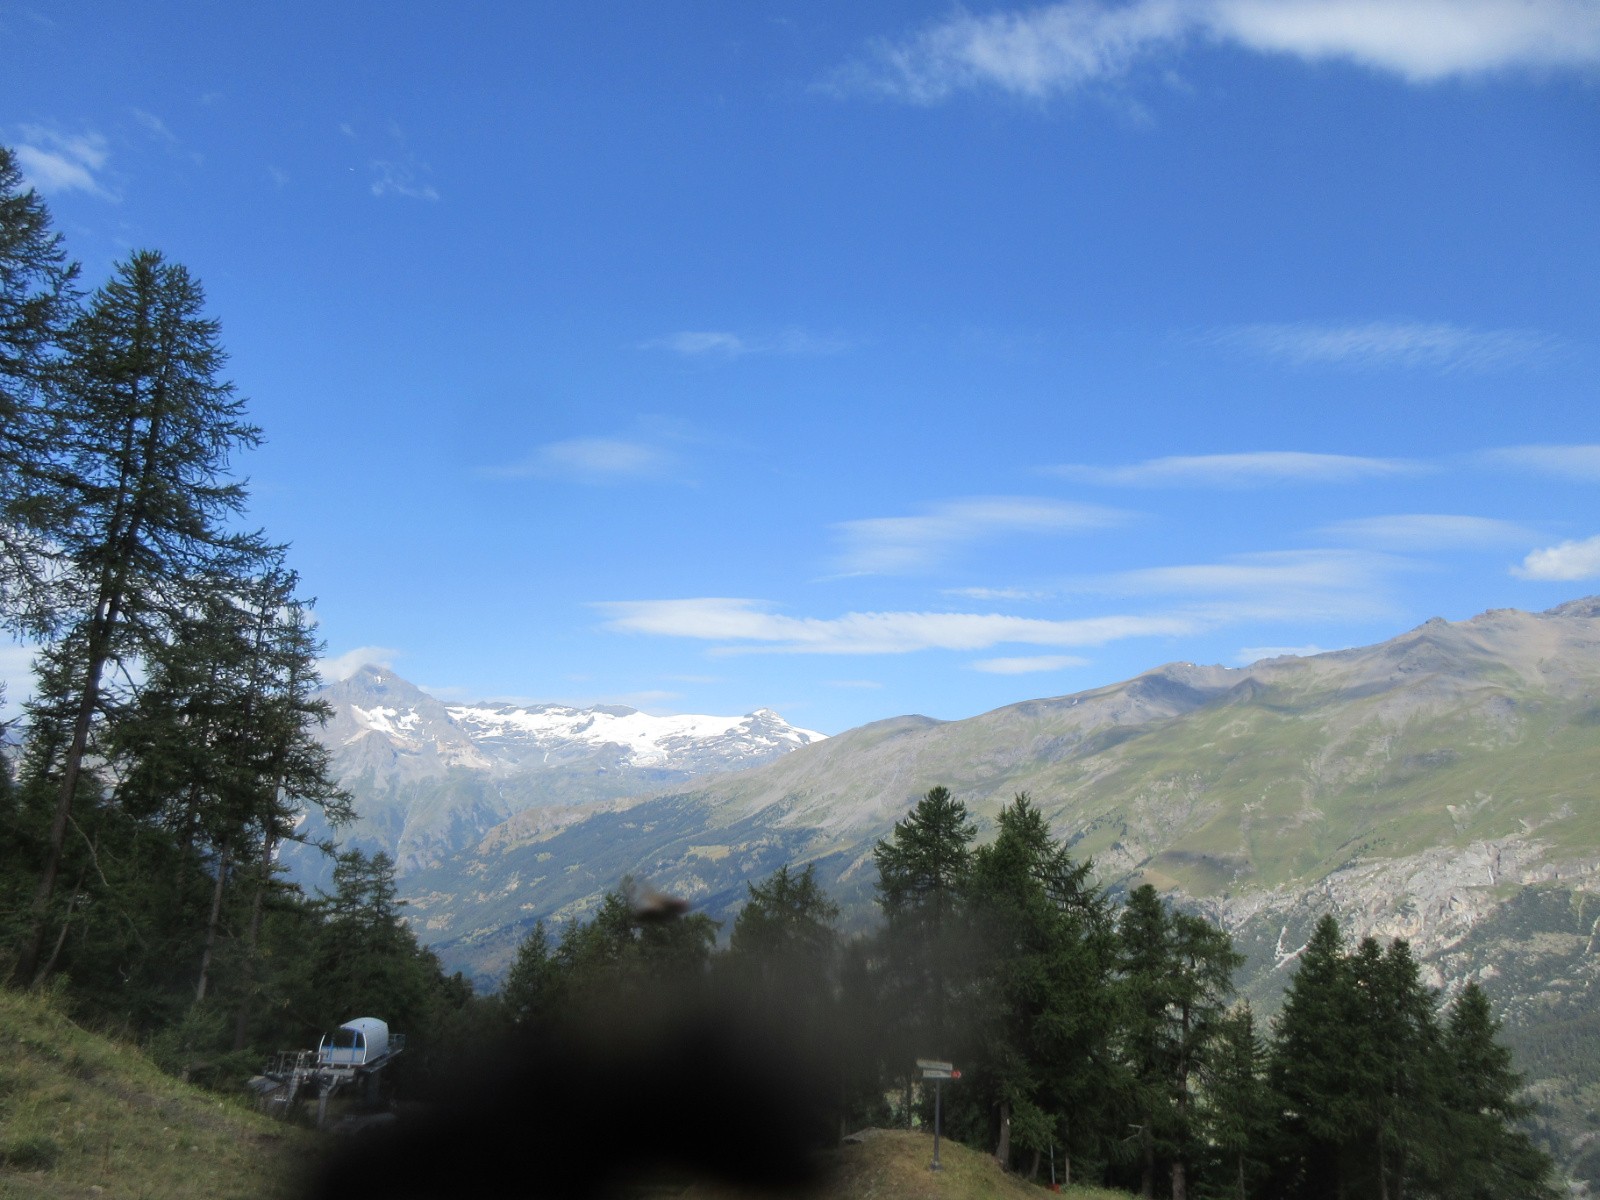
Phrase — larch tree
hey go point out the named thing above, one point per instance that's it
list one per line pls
(1175, 975)
(1237, 1112)
(145, 431)
(1039, 999)
(36, 301)
(1312, 1070)
(1487, 1156)
(922, 875)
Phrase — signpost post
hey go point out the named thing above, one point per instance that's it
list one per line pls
(937, 1071)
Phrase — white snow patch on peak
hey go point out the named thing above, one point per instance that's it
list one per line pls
(386, 720)
(648, 740)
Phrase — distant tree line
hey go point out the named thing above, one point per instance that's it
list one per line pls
(169, 748)
(1096, 1040)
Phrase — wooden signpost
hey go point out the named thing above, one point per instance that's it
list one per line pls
(937, 1071)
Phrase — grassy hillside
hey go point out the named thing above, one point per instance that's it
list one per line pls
(84, 1116)
(892, 1164)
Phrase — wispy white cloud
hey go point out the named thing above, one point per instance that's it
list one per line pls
(987, 593)
(1253, 654)
(1564, 561)
(1272, 586)
(55, 162)
(402, 177)
(1430, 531)
(155, 126)
(1037, 53)
(342, 666)
(1252, 469)
(1580, 463)
(591, 460)
(863, 684)
(1293, 585)
(716, 343)
(1028, 666)
(1060, 48)
(891, 545)
(750, 624)
(1407, 344)
(1419, 40)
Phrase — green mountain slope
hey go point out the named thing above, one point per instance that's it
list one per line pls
(1412, 788)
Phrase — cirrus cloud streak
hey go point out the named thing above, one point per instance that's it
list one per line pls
(1577, 463)
(1371, 344)
(590, 460)
(1251, 469)
(1430, 531)
(892, 545)
(750, 624)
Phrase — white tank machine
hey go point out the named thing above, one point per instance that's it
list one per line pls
(356, 1052)
(356, 1043)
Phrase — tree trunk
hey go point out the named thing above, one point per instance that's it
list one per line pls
(241, 1018)
(126, 524)
(27, 968)
(1002, 1150)
(1033, 1171)
(1180, 1181)
(66, 924)
(1147, 1174)
(211, 925)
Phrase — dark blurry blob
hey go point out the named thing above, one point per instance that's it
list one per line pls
(684, 1087)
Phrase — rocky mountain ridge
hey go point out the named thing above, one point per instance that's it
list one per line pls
(430, 777)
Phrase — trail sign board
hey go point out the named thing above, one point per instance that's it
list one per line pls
(931, 1074)
(933, 1064)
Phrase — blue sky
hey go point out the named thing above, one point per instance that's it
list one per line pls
(856, 360)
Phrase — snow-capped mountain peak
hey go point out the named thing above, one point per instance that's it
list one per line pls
(374, 710)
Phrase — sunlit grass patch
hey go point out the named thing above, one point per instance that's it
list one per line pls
(83, 1115)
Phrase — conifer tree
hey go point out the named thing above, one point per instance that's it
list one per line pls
(787, 923)
(36, 299)
(922, 876)
(1311, 1068)
(1238, 1113)
(1040, 965)
(1486, 1156)
(145, 430)
(1175, 975)
(531, 992)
